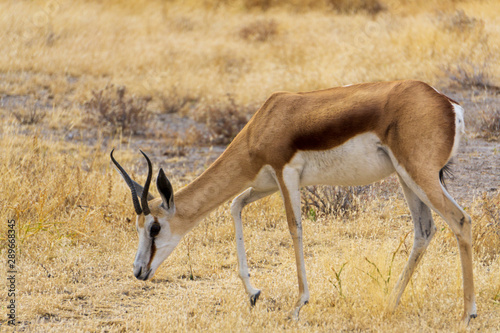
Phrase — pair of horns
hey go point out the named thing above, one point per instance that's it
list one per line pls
(130, 183)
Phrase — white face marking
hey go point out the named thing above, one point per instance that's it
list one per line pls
(164, 243)
(163, 250)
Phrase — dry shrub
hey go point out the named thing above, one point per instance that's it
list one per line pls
(224, 119)
(357, 6)
(110, 109)
(344, 201)
(486, 227)
(460, 22)
(468, 74)
(291, 4)
(260, 30)
(489, 122)
(173, 101)
(31, 115)
(335, 201)
(341, 6)
(258, 4)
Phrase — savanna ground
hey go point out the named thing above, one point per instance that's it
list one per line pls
(179, 79)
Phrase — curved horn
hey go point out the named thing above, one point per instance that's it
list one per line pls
(130, 184)
(144, 198)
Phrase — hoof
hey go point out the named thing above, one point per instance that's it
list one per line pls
(466, 318)
(254, 298)
(294, 315)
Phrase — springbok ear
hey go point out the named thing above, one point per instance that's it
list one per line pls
(166, 191)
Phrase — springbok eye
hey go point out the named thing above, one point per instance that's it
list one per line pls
(155, 229)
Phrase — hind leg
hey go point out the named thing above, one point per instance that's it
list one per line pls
(432, 193)
(424, 230)
(460, 223)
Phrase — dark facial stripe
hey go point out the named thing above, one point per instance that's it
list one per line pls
(153, 247)
(153, 252)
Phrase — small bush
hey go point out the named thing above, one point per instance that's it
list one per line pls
(341, 6)
(224, 119)
(260, 30)
(173, 102)
(110, 108)
(372, 7)
(460, 22)
(335, 201)
(490, 123)
(467, 74)
(29, 116)
(259, 4)
(486, 227)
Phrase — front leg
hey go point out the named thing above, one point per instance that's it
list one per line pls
(237, 206)
(289, 182)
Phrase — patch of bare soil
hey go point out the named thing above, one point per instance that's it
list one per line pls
(475, 169)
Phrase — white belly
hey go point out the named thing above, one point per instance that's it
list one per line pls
(359, 161)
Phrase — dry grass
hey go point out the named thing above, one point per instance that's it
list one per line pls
(78, 244)
(161, 49)
(76, 240)
(159, 46)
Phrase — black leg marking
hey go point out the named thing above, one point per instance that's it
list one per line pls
(254, 298)
(421, 226)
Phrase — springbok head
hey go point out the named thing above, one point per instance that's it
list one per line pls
(156, 222)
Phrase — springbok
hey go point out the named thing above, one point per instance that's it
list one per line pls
(351, 135)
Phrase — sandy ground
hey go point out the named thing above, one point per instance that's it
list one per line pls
(475, 169)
